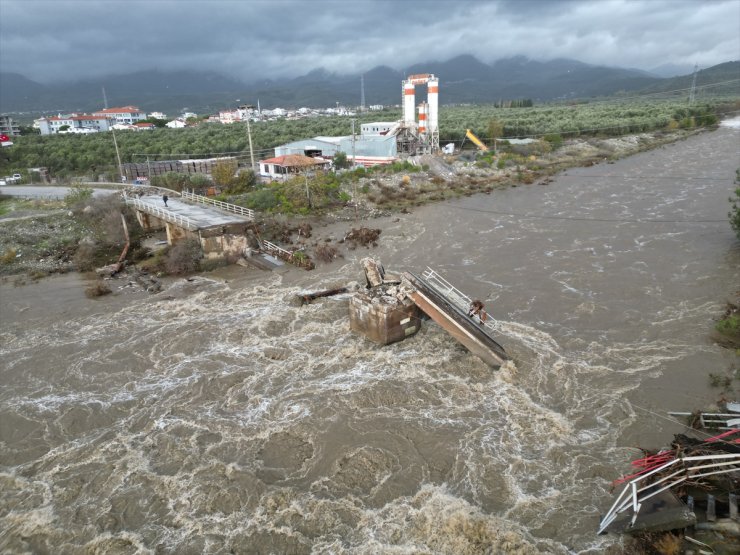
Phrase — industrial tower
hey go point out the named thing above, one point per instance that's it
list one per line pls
(421, 137)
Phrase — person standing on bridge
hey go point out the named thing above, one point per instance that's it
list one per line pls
(165, 198)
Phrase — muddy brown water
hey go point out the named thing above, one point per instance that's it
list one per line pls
(217, 417)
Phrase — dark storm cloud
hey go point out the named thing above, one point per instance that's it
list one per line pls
(66, 39)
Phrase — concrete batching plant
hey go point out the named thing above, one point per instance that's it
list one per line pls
(421, 137)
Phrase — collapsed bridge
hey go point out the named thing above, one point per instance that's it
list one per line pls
(390, 309)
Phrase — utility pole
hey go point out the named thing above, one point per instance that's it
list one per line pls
(353, 143)
(362, 94)
(251, 150)
(118, 155)
(692, 94)
(354, 182)
(248, 110)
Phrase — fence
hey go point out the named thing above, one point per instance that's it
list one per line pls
(297, 258)
(165, 215)
(454, 295)
(246, 212)
(634, 494)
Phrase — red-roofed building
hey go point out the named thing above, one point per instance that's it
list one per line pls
(125, 114)
(144, 125)
(290, 165)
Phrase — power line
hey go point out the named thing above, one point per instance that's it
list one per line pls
(584, 219)
(687, 177)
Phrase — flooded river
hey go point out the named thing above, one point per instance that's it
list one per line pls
(217, 417)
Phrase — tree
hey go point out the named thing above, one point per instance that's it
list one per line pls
(64, 128)
(224, 172)
(734, 213)
(495, 129)
(340, 161)
(77, 195)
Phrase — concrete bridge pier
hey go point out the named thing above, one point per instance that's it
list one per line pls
(148, 221)
(226, 240)
(176, 233)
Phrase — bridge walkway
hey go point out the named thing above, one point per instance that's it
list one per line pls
(185, 214)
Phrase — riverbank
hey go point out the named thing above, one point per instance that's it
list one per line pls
(38, 238)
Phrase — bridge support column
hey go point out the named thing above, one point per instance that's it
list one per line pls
(175, 234)
(228, 240)
(149, 222)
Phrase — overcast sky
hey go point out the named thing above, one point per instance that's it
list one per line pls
(48, 40)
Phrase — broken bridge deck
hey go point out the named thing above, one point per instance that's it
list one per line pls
(448, 307)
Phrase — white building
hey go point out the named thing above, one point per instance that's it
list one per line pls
(79, 131)
(284, 167)
(176, 124)
(126, 114)
(229, 116)
(378, 127)
(157, 115)
(74, 122)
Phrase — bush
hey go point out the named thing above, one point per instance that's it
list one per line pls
(85, 257)
(264, 200)
(555, 140)
(98, 289)
(199, 181)
(8, 256)
(340, 161)
(242, 183)
(183, 257)
(171, 180)
(729, 325)
(326, 253)
(78, 194)
(734, 213)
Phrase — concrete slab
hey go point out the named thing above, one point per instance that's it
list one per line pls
(203, 216)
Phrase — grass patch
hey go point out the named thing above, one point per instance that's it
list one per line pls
(729, 325)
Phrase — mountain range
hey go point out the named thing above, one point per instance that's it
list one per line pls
(463, 79)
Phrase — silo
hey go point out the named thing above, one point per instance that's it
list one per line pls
(423, 118)
(409, 103)
(433, 99)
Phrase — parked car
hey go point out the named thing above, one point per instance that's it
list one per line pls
(3, 182)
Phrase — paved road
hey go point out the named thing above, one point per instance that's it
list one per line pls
(46, 191)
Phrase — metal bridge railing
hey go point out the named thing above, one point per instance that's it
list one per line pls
(715, 420)
(246, 212)
(273, 248)
(165, 215)
(297, 258)
(634, 494)
(454, 295)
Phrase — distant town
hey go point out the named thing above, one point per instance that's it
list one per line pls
(132, 118)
